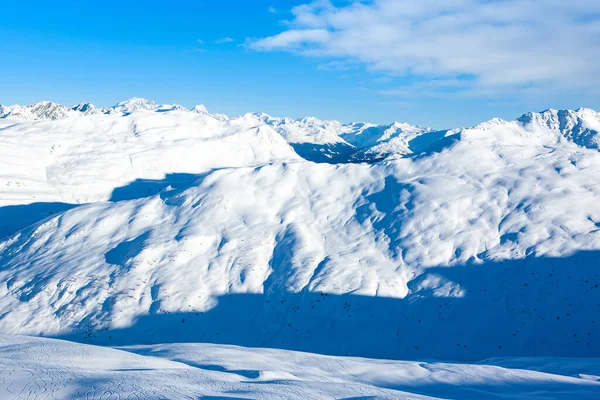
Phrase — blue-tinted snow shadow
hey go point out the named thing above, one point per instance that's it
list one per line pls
(336, 153)
(532, 307)
(17, 217)
(325, 153)
(14, 218)
(141, 188)
(126, 250)
(433, 142)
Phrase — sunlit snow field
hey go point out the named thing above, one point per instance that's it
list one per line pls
(184, 254)
(47, 368)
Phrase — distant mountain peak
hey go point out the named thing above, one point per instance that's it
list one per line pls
(42, 110)
(85, 108)
(171, 107)
(4, 111)
(581, 126)
(134, 104)
(199, 109)
(405, 126)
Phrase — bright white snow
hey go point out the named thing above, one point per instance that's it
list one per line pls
(47, 368)
(147, 223)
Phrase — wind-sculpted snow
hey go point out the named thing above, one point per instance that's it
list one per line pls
(48, 368)
(83, 158)
(461, 244)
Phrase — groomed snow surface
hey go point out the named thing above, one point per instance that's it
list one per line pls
(143, 227)
(38, 368)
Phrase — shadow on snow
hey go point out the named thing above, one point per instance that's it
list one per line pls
(336, 153)
(17, 217)
(141, 188)
(531, 307)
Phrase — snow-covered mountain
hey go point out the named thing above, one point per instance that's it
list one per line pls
(128, 106)
(581, 126)
(150, 223)
(44, 110)
(85, 108)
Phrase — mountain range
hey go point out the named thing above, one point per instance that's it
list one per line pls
(148, 223)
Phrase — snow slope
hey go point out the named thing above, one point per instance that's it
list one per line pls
(48, 368)
(83, 158)
(153, 224)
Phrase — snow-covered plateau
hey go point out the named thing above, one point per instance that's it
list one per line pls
(142, 227)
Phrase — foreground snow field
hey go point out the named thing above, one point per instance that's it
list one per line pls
(34, 368)
(152, 224)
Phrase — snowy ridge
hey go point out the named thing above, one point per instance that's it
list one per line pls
(44, 110)
(453, 244)
(580, 126)
(136, 104)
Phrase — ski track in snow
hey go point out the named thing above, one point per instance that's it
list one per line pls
(39, 368)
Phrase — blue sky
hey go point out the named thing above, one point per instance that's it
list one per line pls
(437, 63)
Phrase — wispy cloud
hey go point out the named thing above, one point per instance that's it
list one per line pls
(502, 44)
(272, 10)
(338, 65)
(199, 48)
(430, 88)
(224, 40)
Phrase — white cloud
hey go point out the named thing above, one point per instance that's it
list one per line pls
(293, 39)
(224, 40)
(272, 10)
(496, 44)
(337, 65)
